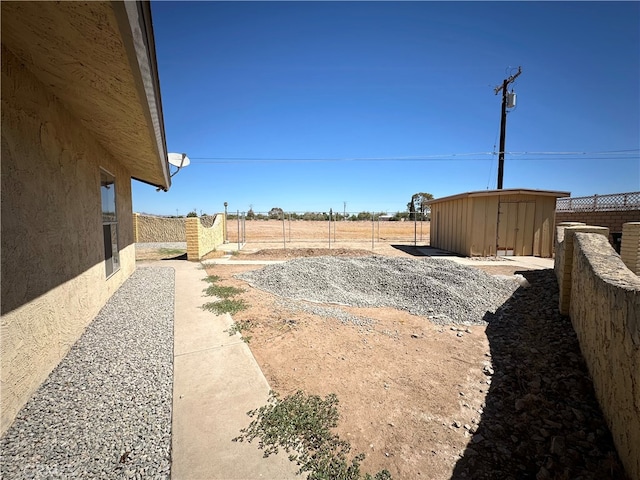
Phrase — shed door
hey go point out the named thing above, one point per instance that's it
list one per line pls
(515, 228)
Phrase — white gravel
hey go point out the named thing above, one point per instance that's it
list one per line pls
(105, 410)
(442, 290)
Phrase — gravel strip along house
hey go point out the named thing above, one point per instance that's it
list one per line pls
(105, 410)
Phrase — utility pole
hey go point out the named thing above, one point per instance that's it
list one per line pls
(503, 123)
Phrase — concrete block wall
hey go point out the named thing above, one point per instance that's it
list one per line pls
(202, 239)
(612, 219)
(564, 259)
(150, 229)
(602, 297)
(630, 249)
(605, 313)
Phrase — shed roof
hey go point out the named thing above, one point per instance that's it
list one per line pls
(99, 59)
(511, 191)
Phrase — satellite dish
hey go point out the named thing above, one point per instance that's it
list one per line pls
(178, 159)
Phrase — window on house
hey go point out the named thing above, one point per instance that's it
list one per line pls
(109, 222)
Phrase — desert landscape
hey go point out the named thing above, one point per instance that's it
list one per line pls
(509, 397)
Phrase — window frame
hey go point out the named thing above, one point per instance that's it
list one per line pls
(111, 250)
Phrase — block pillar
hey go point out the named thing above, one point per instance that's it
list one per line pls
(630, 248)
(192, 228)
(564, 282)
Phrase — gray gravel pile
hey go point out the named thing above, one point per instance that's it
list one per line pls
(105, 411)
(440, 289)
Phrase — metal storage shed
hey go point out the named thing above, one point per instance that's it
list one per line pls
(495, 222)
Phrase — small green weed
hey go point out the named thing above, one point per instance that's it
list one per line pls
(226, 305)
(211, 279)
(301, 424)
(222, 291)
(239, 327)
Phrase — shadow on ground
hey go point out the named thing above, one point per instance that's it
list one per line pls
(424, 251)
(179, 257)
(541, 419)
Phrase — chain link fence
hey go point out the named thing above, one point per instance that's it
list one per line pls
(326, 229)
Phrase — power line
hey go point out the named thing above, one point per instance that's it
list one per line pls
(476, 156)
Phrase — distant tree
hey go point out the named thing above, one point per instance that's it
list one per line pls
(275, 213)
(250, 214)
(418, 203)
(192, 214)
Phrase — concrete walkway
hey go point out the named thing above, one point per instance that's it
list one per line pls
(216, 382)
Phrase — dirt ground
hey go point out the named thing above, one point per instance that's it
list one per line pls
(411, 393)
(294, 231)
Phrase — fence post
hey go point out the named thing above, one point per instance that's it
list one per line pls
(415, 229)
(284, 235)
(330, 212)
(372, 231)
(238, 217)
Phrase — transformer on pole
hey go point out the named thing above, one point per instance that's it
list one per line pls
(508, 101)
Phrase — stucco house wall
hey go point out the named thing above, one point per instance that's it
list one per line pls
(80, 96)
(53, 272)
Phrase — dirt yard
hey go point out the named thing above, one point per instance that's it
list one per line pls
(410, 392)
(296, 231)
(510, 400)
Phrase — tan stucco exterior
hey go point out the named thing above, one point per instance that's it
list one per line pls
(507, 222)
(53, 149)
(98, 58)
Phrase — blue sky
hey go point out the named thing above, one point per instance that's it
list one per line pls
(306, 105)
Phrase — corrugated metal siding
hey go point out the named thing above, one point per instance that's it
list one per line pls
(471, 225)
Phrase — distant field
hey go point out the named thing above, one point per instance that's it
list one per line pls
(266, 231)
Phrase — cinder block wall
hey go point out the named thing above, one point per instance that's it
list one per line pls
(604, 307)
(630, 248)
(613, 219)
(150, 229)
(564, 259)
(202, 239)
